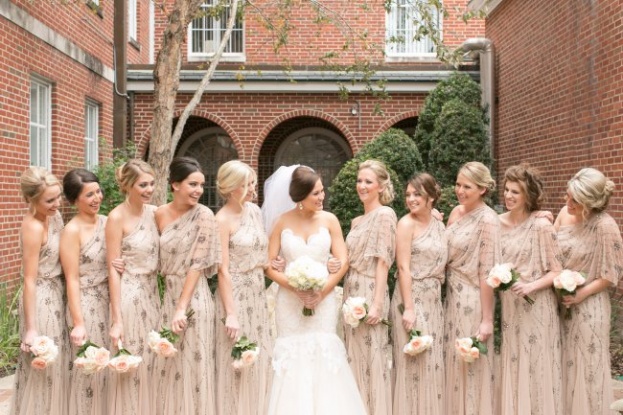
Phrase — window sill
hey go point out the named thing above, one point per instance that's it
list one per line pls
(204, 57)
(134, 43)
(96, 8)
(411, 58)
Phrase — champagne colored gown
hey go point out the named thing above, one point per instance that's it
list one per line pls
(46, 392)
(531, 350)
(187, 380)
(133, 393)
(419, 380)
(89, 393)
(594, 248)
(473, 249)
(245, 391)
(367, 346)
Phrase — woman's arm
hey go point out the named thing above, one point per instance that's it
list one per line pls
(180, 321)
(403, 260)
(114, 236)
(70, 260)
(232, 325)
(32, 240)
(583, 292)
(339, 251)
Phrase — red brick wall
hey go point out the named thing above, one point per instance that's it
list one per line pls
(21, 56)
(560, 90)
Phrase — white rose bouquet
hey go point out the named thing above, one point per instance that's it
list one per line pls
(502, 277)
(566, 283)
(124, 361)
(245, 353)
(91, 358)
(305, 274)
(355, 310)
(44, 352)
(470, 348)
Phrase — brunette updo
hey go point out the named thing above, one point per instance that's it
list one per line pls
(426, 184)
(182, 167)
(304, 180)
(74, 181)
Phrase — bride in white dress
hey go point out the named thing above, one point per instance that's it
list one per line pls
(311, 371)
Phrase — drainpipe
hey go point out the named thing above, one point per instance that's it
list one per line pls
(482, 49)
(120, 97)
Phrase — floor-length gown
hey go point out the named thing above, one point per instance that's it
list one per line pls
(594, 248)
(133, 393)
(187, 380)
(89, 392)
(473, 249)
(245, 391)
(311, 372)
(531, 350)
(419, 380)
(367, 346)
(45, 392)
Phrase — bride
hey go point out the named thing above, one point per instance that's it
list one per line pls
(312, 375)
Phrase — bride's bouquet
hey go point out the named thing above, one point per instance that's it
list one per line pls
(470, 348)
(566, 283)
(502, 277)
(306, 274)
(355, 310)
(91, 358)
(124, 361)
(44, 352)
(245, 353)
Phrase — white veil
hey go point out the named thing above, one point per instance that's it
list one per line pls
(277, 196)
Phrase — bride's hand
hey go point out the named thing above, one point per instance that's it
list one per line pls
(309, 298)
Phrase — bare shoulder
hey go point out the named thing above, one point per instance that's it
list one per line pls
(31, 225)
(456, 214)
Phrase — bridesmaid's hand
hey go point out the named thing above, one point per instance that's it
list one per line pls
(408, 319)
(232, 327)
(522, 289)
(570, 300)
(485, 330)
(116, 333)
(29, 337)
(437, 214)
(334, 265)
(374, 315)
(180, 321)
(119, 265)
(545, 214)
(78, 335)
(278, 264)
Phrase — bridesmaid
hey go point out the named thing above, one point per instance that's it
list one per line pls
(132, 235)
(371, 249)
(531, 354)
(190, 253)
(42, 306)
(473, 249)
(421, 255)
(241, 293)
(590, 241)
(83, 256)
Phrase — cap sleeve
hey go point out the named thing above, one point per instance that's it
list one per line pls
(206, 250)
(381, 242)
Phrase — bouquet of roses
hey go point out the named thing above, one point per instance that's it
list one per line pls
(355, 310)
(161, 342)
(417, 342)
(91, 358)
(567, 283)
(245, 353)
(470, 348)
(44, 351)
(124, 361)
(305, 274)
(502, 277)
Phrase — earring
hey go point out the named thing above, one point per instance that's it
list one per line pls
(300, 206)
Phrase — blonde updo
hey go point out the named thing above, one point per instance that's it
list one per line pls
(128, 173)
(33, 182)
(386, 195)
(479, 174)
(591, 189)
(233, 175)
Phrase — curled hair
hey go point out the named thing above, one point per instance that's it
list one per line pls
(530, 182)
(479, 174)
(426, 184)
(233, 175)
(386, 196)
(33, 182)
(591, 189)
(304, 180)
(74, 181)
(128, 173)
(182, 167)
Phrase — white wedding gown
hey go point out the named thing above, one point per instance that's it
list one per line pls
(312, 375)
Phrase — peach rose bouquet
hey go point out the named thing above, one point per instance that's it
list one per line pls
(124, 361)
(417, 341)
(245, 353)
(470, 348)
(502, 277)
(91, 358)
(355, 310)
(44, 352)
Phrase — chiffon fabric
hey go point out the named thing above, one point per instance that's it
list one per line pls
(419, 380)
(594, 248)
(245, 391)
(531, 373)
(473, 249)
(132, 393)
(371, 239)
(311, 373)
(187, 380)
(44, 392)
(88, 394)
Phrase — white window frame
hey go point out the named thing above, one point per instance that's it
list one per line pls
(132, 20)
(91, 134)
(40, 123)
(210, 46)
(399, 24)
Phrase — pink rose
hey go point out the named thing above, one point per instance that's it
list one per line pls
(416, 342)
(102, 356)
(494, 281)
(474, 353)
(237, 364)
(80, 362)
(38, 363)
(120, 363)
(359, 311)
(249, 357)
(165, 348)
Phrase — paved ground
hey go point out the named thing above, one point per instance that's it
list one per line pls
(6, 390)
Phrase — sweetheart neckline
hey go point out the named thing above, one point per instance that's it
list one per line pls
(306, 241)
